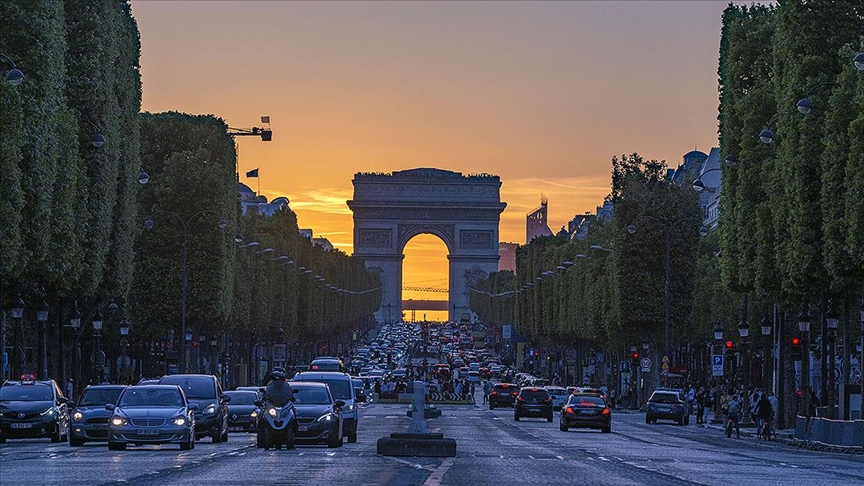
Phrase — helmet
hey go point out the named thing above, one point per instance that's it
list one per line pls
(277, 374)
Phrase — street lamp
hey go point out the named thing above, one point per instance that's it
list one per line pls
(667, 228)
(744, 332)
(14, 76)
(42, 317)
(804, 328)
(184, 289)
(832, 320)
(98, 356)
(767, 326)
(861, 348)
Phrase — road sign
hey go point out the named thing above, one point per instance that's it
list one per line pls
(717, 364)
(592, 361)
(505, 331)
(645, 363)
(624, 367)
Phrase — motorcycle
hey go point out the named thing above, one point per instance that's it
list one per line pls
(276, 425)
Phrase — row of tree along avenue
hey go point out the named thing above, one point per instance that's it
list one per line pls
(123, 248)
(785, 268)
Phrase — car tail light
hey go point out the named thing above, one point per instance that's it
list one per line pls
(605, 411)
(548, 400)
(494, 392)
(569, 410)
(515, 393)
(520, 399)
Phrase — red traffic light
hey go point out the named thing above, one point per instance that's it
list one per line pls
(730, 345)
(796, 341)
(635, 356)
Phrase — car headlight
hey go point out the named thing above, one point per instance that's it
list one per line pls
(77, 416)
(118, 421)
(272, 412)
(210, 409)
(326, 418)
(349, 408)
(48, 413)
(179, 420)
(254, 413)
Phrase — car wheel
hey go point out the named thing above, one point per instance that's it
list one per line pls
(491, 407)
(75, 442)
(516, 418)
(352, 437)
(335, 442)
(216, 438)
(549, 418)
(225, 436)
(680, 421)
(648, 419)
(259, 439)
(112, 446)
(289, 439)
(606, 430)
(187, 445)
(563, 427)
(57, 436)
(687, 420)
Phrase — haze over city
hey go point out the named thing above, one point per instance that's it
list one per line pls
(542, 94)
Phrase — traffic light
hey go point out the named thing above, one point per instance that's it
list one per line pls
(634, 356)
(796, 348)
(729, 346)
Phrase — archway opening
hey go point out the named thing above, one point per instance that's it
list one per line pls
(425, 279)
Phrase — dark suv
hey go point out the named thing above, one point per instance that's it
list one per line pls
(31, 408)
(533, 402)
(667, 405)
(211, 416)
(503, 395)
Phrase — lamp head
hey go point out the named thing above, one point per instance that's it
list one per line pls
(98, 140)
(859, 61)
(766, 136)
(832, 318)
(42, 313)
(766, 325)
(223, 223)
(631, 229)
(718, 332)
(148, 223)
(18, 308)
(143, 177)
(698, 186)
(14, 77)
(744, 328)
(805, 105)
(731, 160)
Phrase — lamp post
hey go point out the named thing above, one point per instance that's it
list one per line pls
(767, 324)
(832, 319)
(718, 341)
(184, 265)
(18, 316)
(98, 355)
(861, 349)
(42, 317)
(186, 335)
(744, 332)
(124, 345)
(804, 328)
(667, 228)
(14, 76)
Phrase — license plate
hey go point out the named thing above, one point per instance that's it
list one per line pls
(302, 428)
(100, 427)
(663, 409)
(20, 425)
(234, 429)
(147, 431)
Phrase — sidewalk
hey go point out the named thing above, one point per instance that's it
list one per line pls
(785, 435)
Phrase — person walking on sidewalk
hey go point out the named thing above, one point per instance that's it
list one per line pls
(700, 405)
(487, 389)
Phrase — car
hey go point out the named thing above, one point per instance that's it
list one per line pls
(89, 417)
(148, 381)
(152, 414)
(533, 401)
(342, 388)
(257, 389)
(326, 363)
(667, 405)
(242, 411)
(211, 414)
(31, 408)
(559, 396)
(319, 415)
(503, 395)
(586, 410)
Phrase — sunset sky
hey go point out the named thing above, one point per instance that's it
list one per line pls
(542, 94)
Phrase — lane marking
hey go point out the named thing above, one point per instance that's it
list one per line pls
(440, 471)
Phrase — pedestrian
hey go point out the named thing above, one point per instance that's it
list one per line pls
(700, 405)
(70, 388)
(487, 389)
(734, 414)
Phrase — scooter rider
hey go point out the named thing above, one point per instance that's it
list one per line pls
(278, 391)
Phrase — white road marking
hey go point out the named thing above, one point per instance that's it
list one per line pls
(440, 471)
(559, 457)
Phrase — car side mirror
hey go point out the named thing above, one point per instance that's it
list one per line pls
(193, 406)
(339, 403)
(292, 399)
(70, 404)
(258, 403)
(360, 398)
(62, 400)
(262, 390)
(226, 399)
(110, 407)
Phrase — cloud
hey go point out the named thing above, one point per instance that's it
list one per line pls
(330, 201)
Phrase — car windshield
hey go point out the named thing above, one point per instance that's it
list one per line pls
(311, 395)
(142, 397)
(529, 394)
(664, 398)
(242, 398)
(586, 401)
(26, 393)
(99, 397)
(195, 389)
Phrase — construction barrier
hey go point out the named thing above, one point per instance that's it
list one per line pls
(832, 433)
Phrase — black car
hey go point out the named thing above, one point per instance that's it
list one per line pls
(503, 395)
(319, 416)
(89, 417)
(33, 409)
(151, 414)
(242, 411)
(205, 391)
(533, 402)
(667, 405)
(586, 410)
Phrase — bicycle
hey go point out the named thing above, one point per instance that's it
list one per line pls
(729, 423)
(766, 430)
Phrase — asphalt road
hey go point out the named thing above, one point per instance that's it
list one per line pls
(492, 449)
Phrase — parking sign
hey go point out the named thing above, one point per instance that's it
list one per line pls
(717, 364)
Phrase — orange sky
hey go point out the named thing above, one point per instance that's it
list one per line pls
(542, 94)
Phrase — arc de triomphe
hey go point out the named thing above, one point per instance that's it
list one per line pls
(464, 211)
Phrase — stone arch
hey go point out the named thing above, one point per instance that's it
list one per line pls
(391, 209)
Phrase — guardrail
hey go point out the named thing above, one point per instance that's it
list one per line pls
(822, 433)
